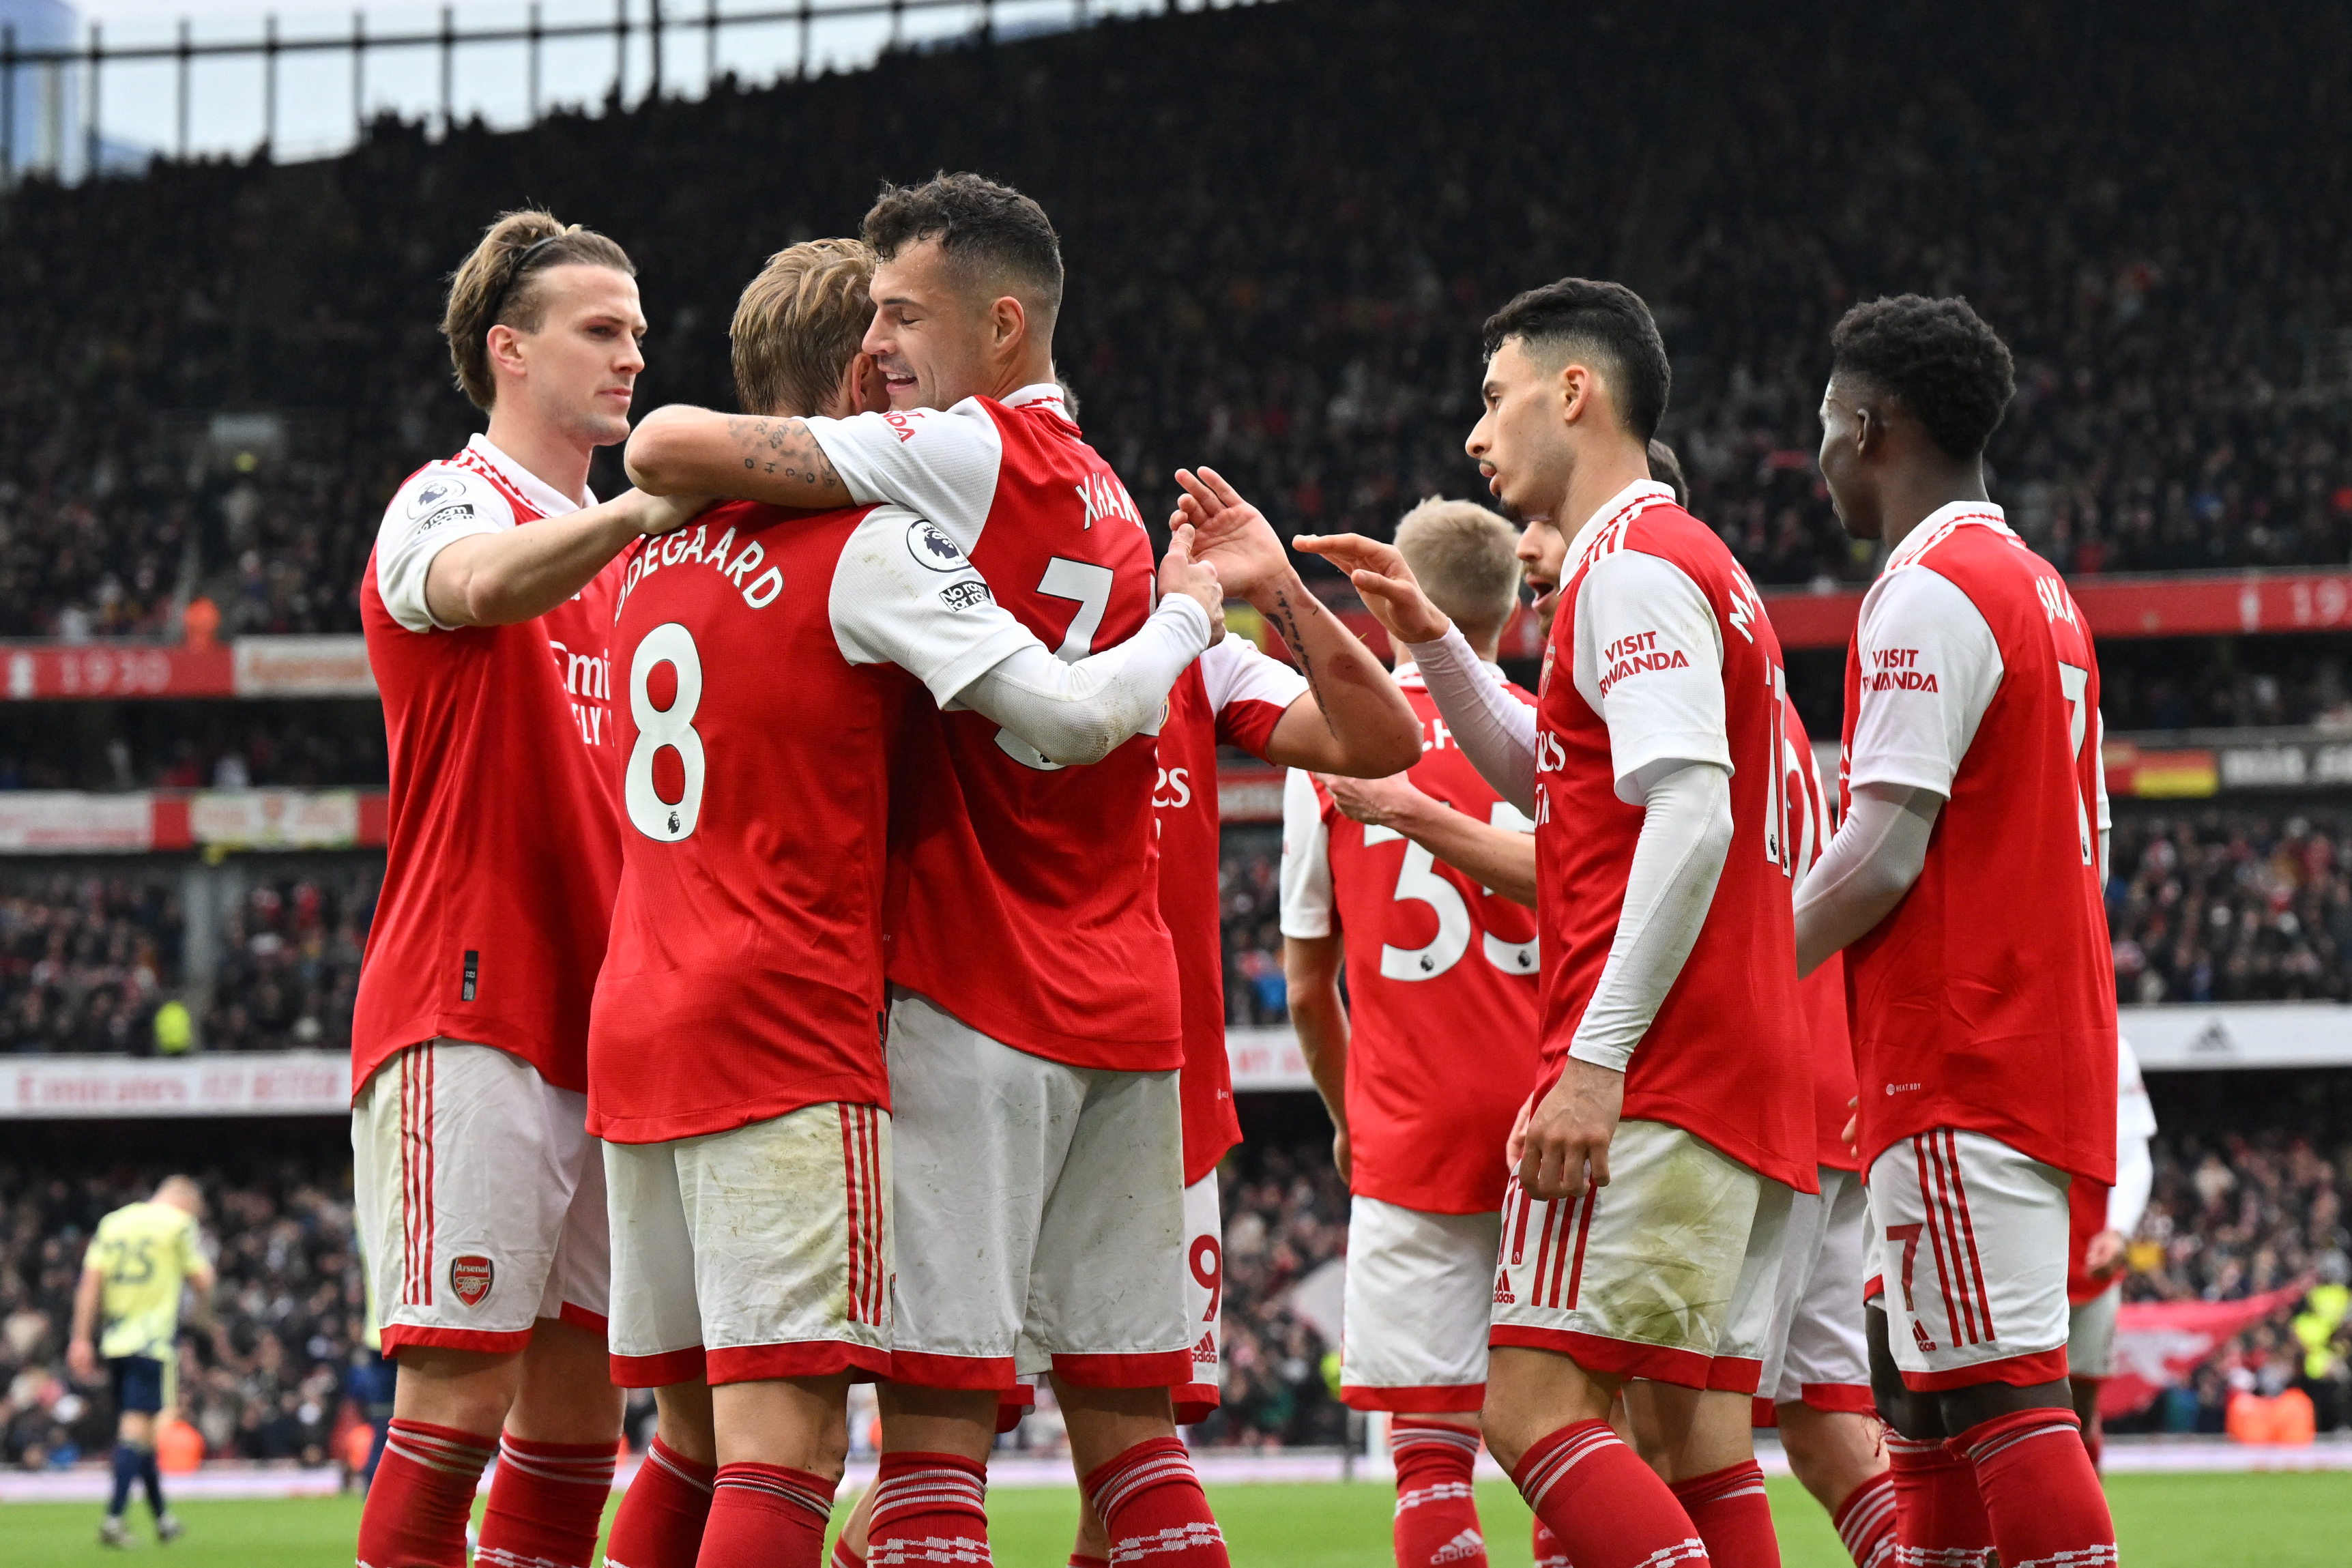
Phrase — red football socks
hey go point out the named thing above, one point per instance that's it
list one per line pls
(843, 1557)
(1436, 1512)
(422, 1497)
(546, 1505)
(659, 1521)
(1938, 1517)
(1607, 1509)
(766, 1516)
(929, 1509)
(1547, 1551)
(1080, 1560)
(1729, 1508)
(1152, 1507)
(1865, 1522)
(2040, 1491)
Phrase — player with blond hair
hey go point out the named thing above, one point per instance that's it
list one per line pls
(480, 1194)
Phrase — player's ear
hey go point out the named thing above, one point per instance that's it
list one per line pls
(1007, 322)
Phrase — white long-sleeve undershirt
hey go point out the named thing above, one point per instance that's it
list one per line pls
(1080, 713)
(1678, 859)
(2135, 1180)
(1494, 729)
(1879, 853)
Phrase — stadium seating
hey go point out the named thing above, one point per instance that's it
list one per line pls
(2184, 395)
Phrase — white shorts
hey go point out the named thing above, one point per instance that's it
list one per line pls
(1419, 1293)
(1666, 1273)
(1040, 1210)
(759, 1252)
(479, 1198)
(1970, 1251)
(1819, 1354)
(2091, 1334)
(1204, 1300)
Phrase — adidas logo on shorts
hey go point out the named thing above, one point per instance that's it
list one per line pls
(1503, 1289)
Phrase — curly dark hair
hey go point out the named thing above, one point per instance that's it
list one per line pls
(1938, 358)
(1606, 320)
(993, 231)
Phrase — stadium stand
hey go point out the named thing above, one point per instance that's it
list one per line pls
(1312, 332)
(2240, 905)
(85, 959)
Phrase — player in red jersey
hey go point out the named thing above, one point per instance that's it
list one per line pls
(479, 1195)
(1031, 973)
(1965, 886)
(2101, 1220)
(1436, 962)
(1816, 1382)
(1673, 1067)
(749, 1176)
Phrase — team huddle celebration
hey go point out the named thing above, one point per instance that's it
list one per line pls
(797, 962)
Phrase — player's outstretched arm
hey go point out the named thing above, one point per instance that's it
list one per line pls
(1495, 729)
(684, 451)
(1354, 721)
(1879, 851)
(1080, 713)
(520, 574)
(1502, 861)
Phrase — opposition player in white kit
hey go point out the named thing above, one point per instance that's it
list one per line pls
(479, 1195)
(1030, 971)
(1966, 887)
(1673, 1090)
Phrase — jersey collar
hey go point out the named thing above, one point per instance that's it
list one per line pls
(1636, 494)
(549, 500)
(1939, 522)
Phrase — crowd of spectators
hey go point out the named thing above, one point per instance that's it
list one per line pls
(1286, 1216)
(86, 959)
(2234, 904)
(1283, 273)
(89, 959)
(262, 1375)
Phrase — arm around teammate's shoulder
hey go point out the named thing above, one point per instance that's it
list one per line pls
(683, 450)
(520, 573)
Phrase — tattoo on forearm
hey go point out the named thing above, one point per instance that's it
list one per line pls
(783, 447)
(1286, 613)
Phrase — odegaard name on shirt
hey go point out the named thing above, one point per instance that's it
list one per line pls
(677, 550)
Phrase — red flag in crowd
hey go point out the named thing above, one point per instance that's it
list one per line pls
(2159, 1343)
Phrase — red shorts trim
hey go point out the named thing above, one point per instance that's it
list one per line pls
(806, 1358)
(1431, 1399)
(1623, 1358)
(1838, 1398)
(2017, 1371)
(925, 1370)
(398, 1337)
(1195, 1402)
(657, 1370)
(1762, 1414)
(1149, 1369)
(583, 1319)
(1874, 1289)
(1735, 1375)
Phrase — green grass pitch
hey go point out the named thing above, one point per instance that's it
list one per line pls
(2281, 1521)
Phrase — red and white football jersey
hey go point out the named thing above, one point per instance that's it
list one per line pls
(1441, 981)
(1022, 896)
(1987, 1000)
(767, 657)
(1232, 696)
(1670, 655)
(1820, 996)
(502, 852)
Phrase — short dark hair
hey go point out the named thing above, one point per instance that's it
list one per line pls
(1938, 358)
(1666, 469)
(990, 229)
(1606, 320)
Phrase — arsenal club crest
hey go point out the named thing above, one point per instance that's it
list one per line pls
(470, 1278)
